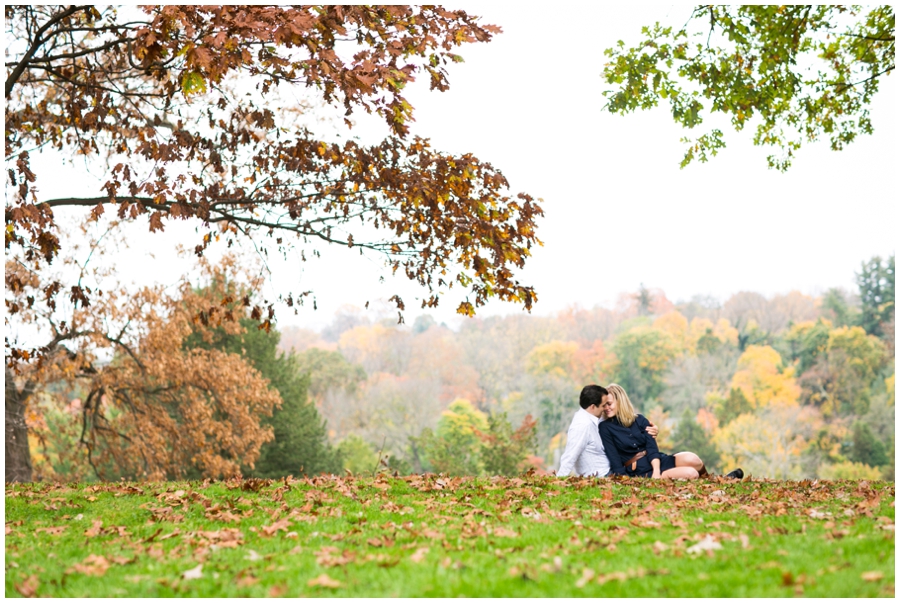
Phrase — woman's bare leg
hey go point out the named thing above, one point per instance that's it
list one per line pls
(680, 473)
(689, 459)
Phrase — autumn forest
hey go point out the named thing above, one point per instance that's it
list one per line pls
(787, 387)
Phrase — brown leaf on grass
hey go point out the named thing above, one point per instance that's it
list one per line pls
(505, 533)
(707, 543)
(53, 531)
(419, 555)
(325, 581)
(604, 578)
(587, 574)
(93, 565)
(872, 576)
(659, 547)
(229, 538)
(194, 573)
(172, 534)
(248, 580)
(326, 557)
(29, 586)
(279, 590)
(119, 560)
(219, 514)
(282, 525)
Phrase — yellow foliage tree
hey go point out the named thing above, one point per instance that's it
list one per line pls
(555, 359)
(769, 443)
(763, 380)
(725, 332)
(849, 470)
(676, 325)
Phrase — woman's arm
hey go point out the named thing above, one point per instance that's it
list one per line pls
(649, 441)
(609, 447)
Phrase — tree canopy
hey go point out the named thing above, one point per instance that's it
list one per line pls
(191, 111)
(798, 73)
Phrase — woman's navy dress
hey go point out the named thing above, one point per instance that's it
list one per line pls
(621, 443)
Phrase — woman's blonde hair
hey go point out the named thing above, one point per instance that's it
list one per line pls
(624, 408)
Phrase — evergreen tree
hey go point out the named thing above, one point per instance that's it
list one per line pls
(689, 436)
(866, 447)
(876, 293)
(733, 406)
(837, 309)
(300, 446)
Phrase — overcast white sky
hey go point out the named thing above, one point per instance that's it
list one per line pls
(619, 211)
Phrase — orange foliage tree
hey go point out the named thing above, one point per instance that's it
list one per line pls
(152, 408)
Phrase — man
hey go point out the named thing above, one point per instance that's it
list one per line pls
(584, 454)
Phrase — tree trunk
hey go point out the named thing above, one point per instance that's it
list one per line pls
(18, 455)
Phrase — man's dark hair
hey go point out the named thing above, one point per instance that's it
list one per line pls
(592, 394)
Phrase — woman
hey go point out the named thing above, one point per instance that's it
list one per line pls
(631, 451)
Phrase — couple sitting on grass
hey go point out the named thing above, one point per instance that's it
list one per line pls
(607, 437)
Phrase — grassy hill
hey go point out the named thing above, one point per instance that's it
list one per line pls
(439, 536)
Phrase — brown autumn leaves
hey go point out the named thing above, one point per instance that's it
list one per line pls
(157, 98)
(410, 517)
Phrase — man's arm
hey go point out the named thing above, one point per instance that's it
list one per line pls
(652, 448)
(609, 447)
(576, 440)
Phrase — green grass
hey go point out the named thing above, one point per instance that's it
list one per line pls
(444, 537)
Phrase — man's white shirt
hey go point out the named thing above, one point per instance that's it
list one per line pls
(584, 454)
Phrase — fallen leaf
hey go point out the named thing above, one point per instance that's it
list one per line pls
(93, 565)
(252, 556)
(279, 590)
(193, 574)
(604, 578)
(587, 574)
(745, 540)
(280, 525)
(872, 576)
(708, 543)
(659, 547)
(505, 533)
(419, 555)
(248, 580)
(325, 581)
(29, 586)
(53, 531)
(118, 560)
